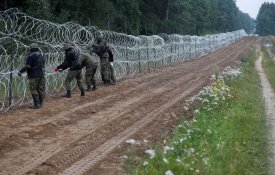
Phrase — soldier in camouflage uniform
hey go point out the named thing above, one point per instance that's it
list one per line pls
(72, 62)
(100, 48)
(34, 66)
(86, 60)
(111, 60)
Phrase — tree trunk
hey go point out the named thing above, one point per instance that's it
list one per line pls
(167, 11)
(5, 4)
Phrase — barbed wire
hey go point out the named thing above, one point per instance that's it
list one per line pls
(132, 54)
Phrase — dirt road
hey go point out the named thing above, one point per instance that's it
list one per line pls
(86, 135)
(269, 100)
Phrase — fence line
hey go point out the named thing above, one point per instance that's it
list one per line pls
(132, 54)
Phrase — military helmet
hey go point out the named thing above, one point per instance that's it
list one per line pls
(33, 46)
(67, 46)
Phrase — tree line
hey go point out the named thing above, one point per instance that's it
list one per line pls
(142, 17)
(266, 20)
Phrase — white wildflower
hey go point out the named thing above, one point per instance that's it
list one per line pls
(205, 161)
(185, 108)
(169, 172)
(189, 131)
(167, 148)
(192, 150)
(151, 152)
(196, 111)
(165, 160)
(132, 141)
(213, 77)
(145, 163)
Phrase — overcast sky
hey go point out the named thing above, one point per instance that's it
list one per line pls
(251, 6)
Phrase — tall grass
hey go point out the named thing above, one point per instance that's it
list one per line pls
(230, 139)
(268, 66)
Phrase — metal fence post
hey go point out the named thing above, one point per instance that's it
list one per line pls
(127, 64)
(139, 61)
(171, 54)
(190, 49)
(195, 46)
(147, 50)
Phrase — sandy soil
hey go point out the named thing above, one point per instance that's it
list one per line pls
(86, 135)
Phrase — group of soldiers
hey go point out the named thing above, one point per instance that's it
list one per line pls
(35, 65)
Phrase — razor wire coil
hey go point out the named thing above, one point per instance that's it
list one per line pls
(132, 54)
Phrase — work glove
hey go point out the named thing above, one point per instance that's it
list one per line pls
(112, 64)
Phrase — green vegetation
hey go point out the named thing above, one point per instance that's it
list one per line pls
(142, 17)
(266, 20)
(228, 139)
(268, 66)
(273, 43)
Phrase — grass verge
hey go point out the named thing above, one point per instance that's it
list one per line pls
(268, 66)
(230, 139)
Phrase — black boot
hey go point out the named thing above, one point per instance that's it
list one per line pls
(82, 92)
(114, 81)
(89, 88)
(106, 82)
(94, 87)
(68, 94)
(36, 103)
(41, 99)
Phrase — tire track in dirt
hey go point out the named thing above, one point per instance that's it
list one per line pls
(80, 124)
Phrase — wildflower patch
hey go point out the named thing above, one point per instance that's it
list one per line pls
(212, 96)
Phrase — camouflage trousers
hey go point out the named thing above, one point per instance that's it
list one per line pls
(90, 75)
(71, 75)
(105, 68)
(37, 86)
(112, 73)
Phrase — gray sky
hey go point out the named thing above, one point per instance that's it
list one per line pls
(251, 6)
